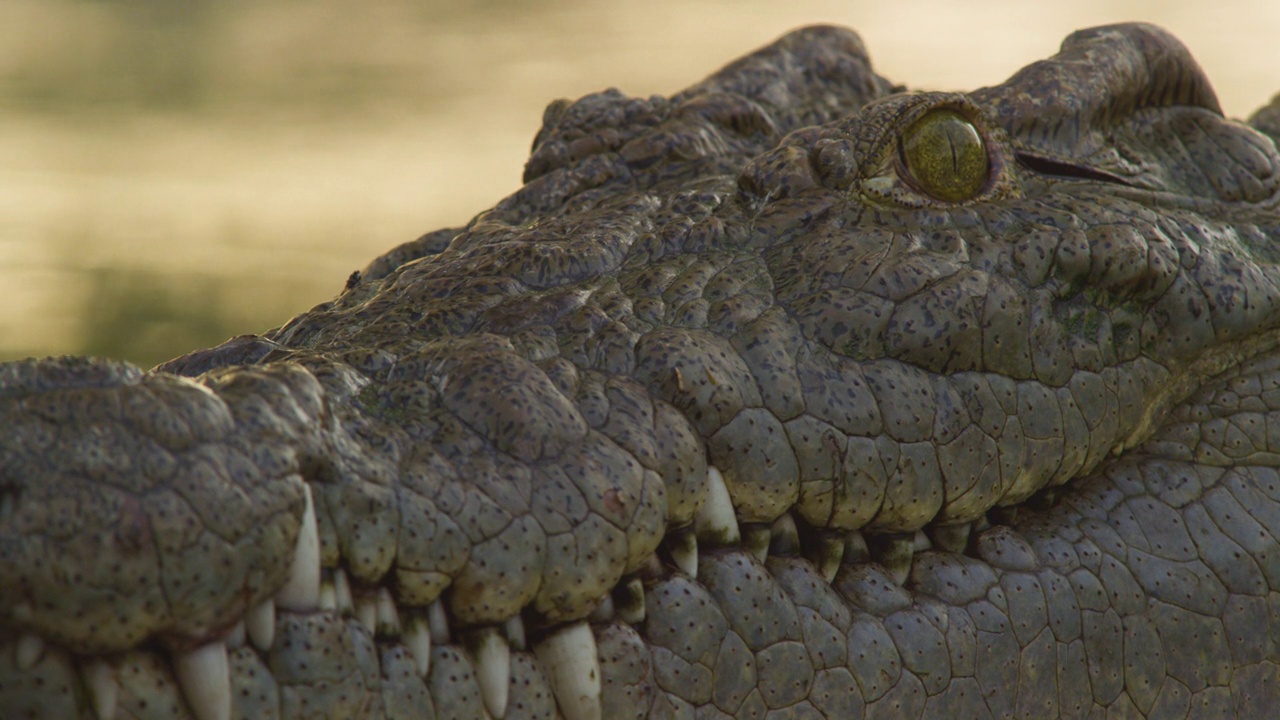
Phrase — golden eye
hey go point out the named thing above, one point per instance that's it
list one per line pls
(945, 157)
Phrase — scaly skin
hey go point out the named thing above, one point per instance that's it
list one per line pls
(1003, 453)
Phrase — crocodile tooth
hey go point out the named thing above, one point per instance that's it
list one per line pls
(301, 592)
(328, 595)
(894, 552)
(493, 668)
(921, 542)
(235, 637)
(603, 611)
(438, 622)
(715, 522)
(261, 624)
(367, 612)
(342, 591)
(570, 660)
(205, 680)
(104, 689)
(682, 543)
(513, 628)
(628, 599)
(29, 651)
(418, 638)
(388, 616)
(952, 538)
(755, 540)
(784, 538)
(827, 552)
(855, 548)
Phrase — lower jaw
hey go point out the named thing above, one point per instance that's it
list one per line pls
(1094, 603)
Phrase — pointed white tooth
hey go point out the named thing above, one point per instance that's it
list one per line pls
(205, 680)
(438, 622)
(784, 537)
(301, 591)
(418, 638)
(235, 638)
(104, 689)
(828, 553)
(951, 538)
(603, 612)
(513, 628)
(388, 616)
(493, 668)
(572, 665)
(629, 601)
(855, 548)
(715, 522)
(755, 540)
(367, 612)
(30, 650)
(894, 553)
(342, 588)
(261, 623)
(328, 596)
(683, 545)
(920, 542)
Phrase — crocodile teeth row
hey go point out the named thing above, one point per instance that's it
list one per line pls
(203, 676)
(301, 591)
(335, 593)
(569, 658)
(716, 524)
(378, 614)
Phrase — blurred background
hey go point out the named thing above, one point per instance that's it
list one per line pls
(172, 174)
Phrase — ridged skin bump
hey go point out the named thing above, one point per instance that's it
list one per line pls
(791, 395)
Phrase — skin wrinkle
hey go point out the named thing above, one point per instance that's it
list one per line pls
(514, 420)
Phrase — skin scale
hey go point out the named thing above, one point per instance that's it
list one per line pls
(787, 396)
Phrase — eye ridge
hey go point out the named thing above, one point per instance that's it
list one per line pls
(923, 150)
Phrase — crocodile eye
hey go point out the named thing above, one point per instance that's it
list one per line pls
(944, 156)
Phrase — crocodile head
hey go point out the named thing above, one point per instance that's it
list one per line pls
(791, 395)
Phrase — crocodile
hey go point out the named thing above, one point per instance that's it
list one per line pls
(792, 395)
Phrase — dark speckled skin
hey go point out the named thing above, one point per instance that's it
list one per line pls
(512, 416)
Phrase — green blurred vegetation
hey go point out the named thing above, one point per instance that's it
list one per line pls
(148, 317)
(111, 70)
